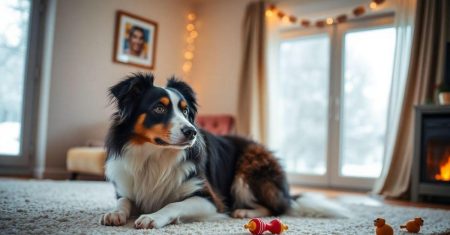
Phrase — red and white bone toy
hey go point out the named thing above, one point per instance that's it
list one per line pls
(256, 226)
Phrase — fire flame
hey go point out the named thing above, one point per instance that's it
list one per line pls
(444, 175)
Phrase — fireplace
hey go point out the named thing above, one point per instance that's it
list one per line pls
(431, 166)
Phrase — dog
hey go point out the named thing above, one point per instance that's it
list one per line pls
(168, 170)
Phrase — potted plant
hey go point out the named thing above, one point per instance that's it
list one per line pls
(444, 94)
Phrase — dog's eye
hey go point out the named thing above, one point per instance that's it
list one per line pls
(160, 109)
(186, 112)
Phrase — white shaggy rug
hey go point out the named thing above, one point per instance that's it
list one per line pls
(64, 207)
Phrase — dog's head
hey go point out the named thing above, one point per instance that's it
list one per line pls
(161, 116)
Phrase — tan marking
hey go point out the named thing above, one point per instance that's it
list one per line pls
(143, 134)
(183, 104)
(215, 198)
(165, 101)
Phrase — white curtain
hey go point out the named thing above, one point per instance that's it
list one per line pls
(404, 24)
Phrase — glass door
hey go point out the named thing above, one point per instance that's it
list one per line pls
(366, 52)
(18, 40)
(300, 116)
(329, 102)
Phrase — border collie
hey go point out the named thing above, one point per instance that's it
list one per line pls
(167, 170)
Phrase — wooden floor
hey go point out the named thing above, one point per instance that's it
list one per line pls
(366, 198)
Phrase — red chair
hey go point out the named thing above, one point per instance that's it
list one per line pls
(217, 124)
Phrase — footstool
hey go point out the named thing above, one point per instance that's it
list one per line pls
(86, 160)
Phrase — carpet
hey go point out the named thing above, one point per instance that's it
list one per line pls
(74, 207)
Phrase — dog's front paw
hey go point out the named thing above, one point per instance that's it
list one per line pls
(116, 218)
(152, 221)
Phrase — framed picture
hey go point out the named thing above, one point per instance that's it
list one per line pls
(135, 40)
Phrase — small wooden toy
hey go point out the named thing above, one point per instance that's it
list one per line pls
(413, 226)
(256, 226)
(382, 227)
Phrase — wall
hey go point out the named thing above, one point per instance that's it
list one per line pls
(216, 66)
(82, 68)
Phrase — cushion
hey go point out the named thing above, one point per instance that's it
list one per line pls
(88, 160)
(217, 124)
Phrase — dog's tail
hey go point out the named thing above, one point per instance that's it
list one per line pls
(316, 205)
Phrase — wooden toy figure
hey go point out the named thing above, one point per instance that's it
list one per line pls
(256, 226)
(382, 227)
(413, 226)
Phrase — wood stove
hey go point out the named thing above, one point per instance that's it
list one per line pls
(431, 166)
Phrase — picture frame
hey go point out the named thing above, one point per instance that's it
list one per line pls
(135, 40)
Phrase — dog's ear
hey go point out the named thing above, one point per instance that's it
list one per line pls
(127, 92)
(187, 92)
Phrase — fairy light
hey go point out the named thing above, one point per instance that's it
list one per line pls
(329, 21)
(191, 17)
(187, 66)
(190, 27)
(191, 35)
(188, 55)
(286, 18)
(270, 11)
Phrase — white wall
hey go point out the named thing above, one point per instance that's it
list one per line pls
(216, 66)
(82, 67)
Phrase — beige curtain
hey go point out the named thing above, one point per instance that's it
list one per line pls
(425, 71)
(251, 117)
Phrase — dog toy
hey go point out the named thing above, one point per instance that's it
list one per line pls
(256, 226)
(382, 227)
(413, 226)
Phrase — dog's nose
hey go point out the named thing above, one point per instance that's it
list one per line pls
(189, 132)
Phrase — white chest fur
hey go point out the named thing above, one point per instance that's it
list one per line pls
(152, 177)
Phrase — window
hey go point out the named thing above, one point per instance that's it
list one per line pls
(305, 153)
(368, 58)
(331, 99)
(13, 48)
(18, 44)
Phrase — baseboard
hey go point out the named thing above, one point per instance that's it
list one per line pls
(56, 174)
(15, 171)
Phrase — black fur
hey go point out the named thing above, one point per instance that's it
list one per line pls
(216, 157)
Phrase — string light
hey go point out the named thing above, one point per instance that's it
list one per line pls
(190, 27)
(320, 23)
(191, 35)
(187, 66)
(188, 55)
(341, 18)
(305, 23)
(292, 19)
(329, 21)
(358, 11)
(191, 17)
(270, 11)
(287, 18)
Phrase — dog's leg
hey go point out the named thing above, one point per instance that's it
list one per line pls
(193, 208)
(120, 215)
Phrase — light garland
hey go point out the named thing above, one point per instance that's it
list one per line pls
(191, 35)
(358, 11)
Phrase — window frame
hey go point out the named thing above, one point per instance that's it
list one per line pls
(332, 177)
